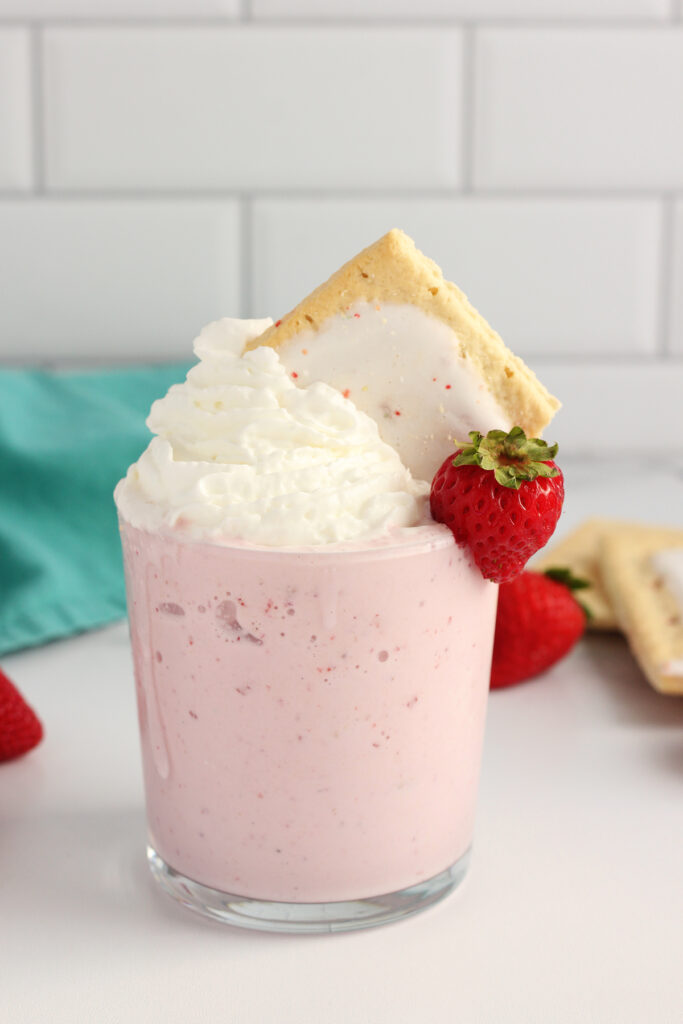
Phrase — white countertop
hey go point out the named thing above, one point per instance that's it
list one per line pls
(572, 909)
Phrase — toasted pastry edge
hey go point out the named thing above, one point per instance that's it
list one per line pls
(579, 551)
(647, 611)
(393, 270)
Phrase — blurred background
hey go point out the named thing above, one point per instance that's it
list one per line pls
(167, 162)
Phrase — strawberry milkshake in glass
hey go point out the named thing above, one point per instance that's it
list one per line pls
(312, 655)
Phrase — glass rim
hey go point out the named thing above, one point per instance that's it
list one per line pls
(411, 540)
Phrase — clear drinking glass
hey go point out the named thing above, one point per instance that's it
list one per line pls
(311, 723)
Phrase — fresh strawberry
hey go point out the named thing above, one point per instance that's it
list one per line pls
(501, 496)
(20, 729)
(538, 622)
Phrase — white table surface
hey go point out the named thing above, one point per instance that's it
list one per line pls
(572, 910)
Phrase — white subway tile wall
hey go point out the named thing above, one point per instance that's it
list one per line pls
(16, 143)
(94, 9)
(166, 162)
(612, 407)
(579, 108)
(676, 296)
(472, 9)
(116, 280)
(241, 108)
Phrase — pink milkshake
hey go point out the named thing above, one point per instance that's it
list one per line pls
(312, 651)
(311, 721)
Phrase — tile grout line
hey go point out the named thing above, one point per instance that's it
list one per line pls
(246, 252)
(666, 271)
(315, 195)
(37, 111)
(245, 14)
(467, 107)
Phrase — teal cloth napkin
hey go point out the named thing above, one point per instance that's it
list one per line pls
(65, 441)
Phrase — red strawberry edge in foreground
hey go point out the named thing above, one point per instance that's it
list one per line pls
(538, 622)
(20, 727)
(501, 496)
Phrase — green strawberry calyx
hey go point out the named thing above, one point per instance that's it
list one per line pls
(513, 457)
(567, 578)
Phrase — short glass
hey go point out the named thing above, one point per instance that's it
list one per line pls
(311, 723)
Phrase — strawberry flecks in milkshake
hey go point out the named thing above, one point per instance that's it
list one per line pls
(296, 769)
(226, 616)
(170, 608)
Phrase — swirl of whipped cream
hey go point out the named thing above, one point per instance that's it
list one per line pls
(242, 453)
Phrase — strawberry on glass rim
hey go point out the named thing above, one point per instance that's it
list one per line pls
(501, 496)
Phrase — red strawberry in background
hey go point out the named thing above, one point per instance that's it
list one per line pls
(538, 622)
(20, 728)
(501, 496)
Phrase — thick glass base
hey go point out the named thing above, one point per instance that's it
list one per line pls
(338, 916)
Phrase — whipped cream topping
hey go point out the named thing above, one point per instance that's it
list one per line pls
(668, 563)
(243, 453)
(405, 370)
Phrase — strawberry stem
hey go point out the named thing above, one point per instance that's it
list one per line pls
(512, 457)
(567, 578)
